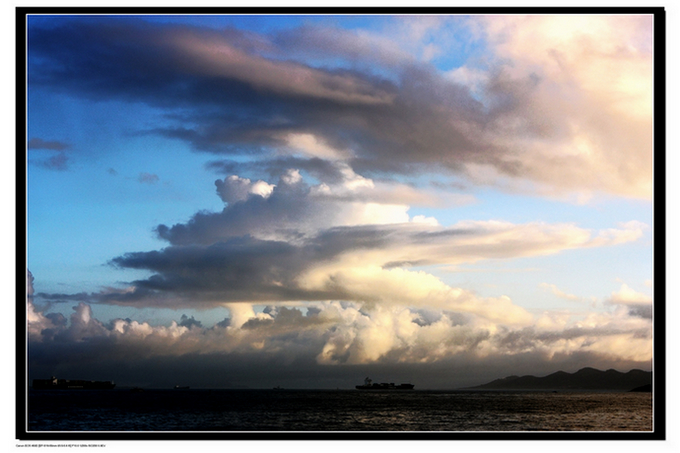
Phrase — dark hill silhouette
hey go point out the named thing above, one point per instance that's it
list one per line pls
(583, 379)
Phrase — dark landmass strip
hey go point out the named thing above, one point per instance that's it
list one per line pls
(643, 388)
(583, 379)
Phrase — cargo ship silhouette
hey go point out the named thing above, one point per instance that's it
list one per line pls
(370, 385)
(71, 384)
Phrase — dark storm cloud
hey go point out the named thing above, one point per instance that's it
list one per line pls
(241, 269)
(236, 93)
(234, 101)
(283, 210)
(245, 268)
(185, 321)
(238, 269)
(318, 168)
(62, 297)
(175, 66)
(250, 269)
(641, 311)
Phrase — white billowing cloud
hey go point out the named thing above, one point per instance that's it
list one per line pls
(352, 201)
(626, 334)
(378, 273)
(314, 146)
(241, 312)
(84, 325)
(358, 201)
(401, 287)
(310, 245)
(426, 220)
(273, 211)
(37, 322)
(558, 292)
(291, 177)
(353, 181)
(553, 320)
(355, 188)
(606, 56)
(627, 232)
(583, 97)
(358, 213)
(233, 189)
(472, 78)
(362, 338)
(628, 296)
(337, 333)
(262, 189)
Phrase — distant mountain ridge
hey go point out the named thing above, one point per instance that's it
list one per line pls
(583, 379)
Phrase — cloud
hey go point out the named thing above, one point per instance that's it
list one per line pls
(329, 42)
(185, 321)
(546, 118)
(148, 178)
(628, 296)
(583, 87)
(57, 161)
(29, 284)
(315, 153)
(287, 209)
(559, 293)
(329, 337)
(339, 181)
(39, 143)
(366, 264)
(636, 303)
(292, 242)
(343, 263)
(234, 189)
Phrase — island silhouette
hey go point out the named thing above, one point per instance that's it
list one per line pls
(583, 379)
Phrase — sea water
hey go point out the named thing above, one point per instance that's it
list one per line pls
(122, 410)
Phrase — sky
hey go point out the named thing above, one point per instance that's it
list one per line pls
(251, 201)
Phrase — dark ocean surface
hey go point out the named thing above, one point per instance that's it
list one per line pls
(334, 410)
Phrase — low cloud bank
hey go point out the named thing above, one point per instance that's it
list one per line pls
(336, 341)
